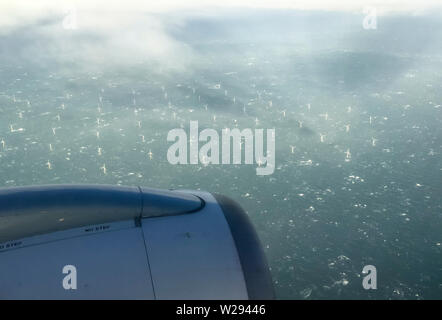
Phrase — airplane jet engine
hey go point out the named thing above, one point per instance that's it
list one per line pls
(116, 242)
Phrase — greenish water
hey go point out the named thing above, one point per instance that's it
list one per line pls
(368, 193)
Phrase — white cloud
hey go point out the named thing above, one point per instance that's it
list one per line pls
(103, 33)
(130, 30)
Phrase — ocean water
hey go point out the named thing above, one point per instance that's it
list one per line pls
(357, 114)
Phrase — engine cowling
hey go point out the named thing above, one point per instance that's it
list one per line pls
(114, 242)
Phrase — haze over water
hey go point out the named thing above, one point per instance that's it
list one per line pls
(357, 114)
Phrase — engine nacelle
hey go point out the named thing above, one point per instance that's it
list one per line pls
(114, 242)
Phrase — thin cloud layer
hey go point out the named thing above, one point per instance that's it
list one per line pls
(21, 12)
(121, 33)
